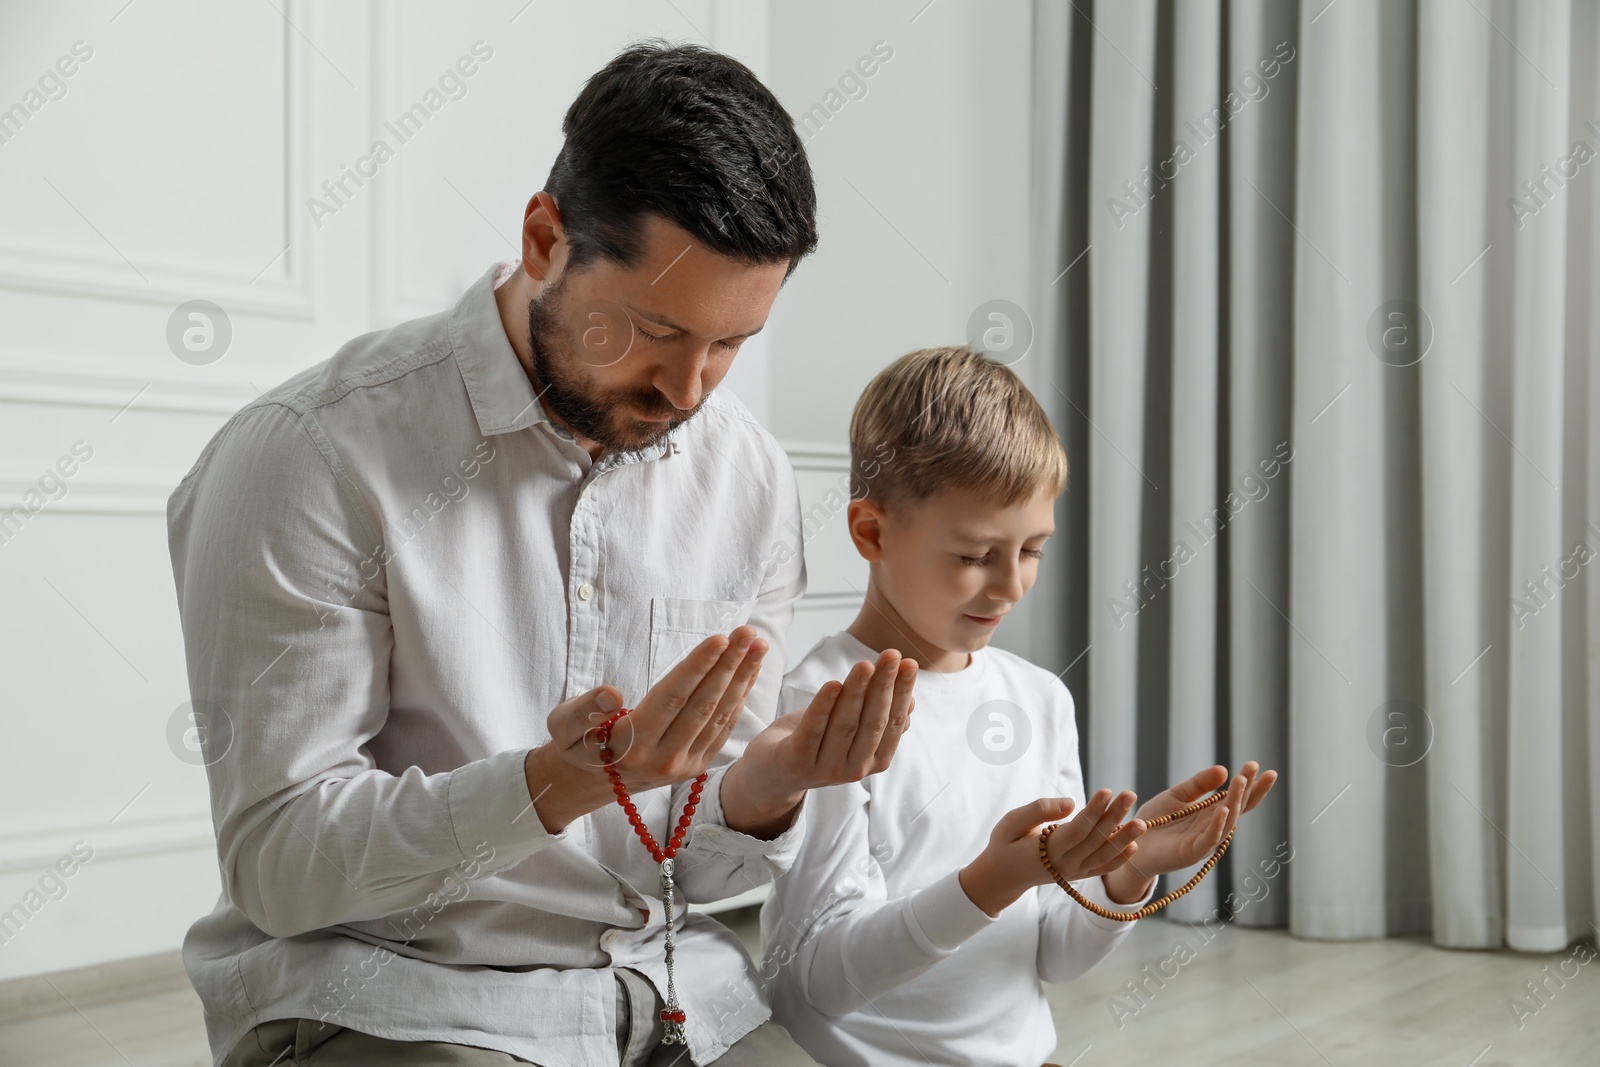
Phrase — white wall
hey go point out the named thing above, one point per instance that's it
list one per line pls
(177, 165)
(922, 186)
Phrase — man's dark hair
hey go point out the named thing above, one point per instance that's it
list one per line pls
(691, 135)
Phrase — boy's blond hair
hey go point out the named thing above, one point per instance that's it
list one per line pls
(951, 418)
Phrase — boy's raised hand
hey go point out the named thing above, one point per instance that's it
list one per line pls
(1096, 842)
(850, 730)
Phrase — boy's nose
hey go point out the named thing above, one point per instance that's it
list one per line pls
(1008, 586)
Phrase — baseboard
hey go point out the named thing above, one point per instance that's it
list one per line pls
(101, 983)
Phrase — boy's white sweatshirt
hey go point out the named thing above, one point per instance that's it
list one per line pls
(873, 952)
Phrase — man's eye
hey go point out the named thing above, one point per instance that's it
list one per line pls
(651, 337)
(975, 561)
(1036, 553)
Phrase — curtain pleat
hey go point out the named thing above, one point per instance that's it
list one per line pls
(1119, 279)
(1534, 870)
(1348, 528)
(1463, 484)
(1260, 191)
(1191, 569)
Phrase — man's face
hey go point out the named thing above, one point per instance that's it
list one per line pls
(624, 354)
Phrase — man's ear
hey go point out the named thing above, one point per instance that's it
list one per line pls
(866, 518)
(544, 238)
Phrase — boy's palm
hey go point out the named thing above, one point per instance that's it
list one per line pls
(850, 730)
(1182, 844)
(1095, 841)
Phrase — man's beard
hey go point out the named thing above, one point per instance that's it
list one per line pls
(605, 417)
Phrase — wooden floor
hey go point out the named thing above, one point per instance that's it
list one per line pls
(1263, 997)
(1245, 996)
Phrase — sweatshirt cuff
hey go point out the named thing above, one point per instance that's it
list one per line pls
(491, 812)
(943, 916)
(1095, 890)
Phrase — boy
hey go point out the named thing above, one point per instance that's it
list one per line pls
(917, 923)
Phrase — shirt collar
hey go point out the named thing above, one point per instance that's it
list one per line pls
(502, 396)
(503, 399)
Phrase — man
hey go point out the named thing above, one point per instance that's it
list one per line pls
(415, 578)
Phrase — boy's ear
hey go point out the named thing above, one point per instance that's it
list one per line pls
(865, 519)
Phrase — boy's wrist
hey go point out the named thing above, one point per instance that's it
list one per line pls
(757, 806)
(986, 886)
(1127, 886)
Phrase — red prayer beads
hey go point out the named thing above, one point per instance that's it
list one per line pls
(680, 831)
(672, 1016)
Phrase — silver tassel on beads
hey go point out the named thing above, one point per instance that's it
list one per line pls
(672, 1015)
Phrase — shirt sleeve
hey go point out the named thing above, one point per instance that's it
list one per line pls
(716, 861)
(281, 595)
(836, 929)
(1072, 939)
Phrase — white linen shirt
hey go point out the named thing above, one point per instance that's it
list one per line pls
(389, 569)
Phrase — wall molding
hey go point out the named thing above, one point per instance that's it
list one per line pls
(144, 491)
(391, 303)
(833, 601)
(824, 458)
(107, 491)
(817, 455)
(105, 274)
(35, 850)
(118, 386)
(94, 382)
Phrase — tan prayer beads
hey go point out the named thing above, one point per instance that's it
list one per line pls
(1155, 905)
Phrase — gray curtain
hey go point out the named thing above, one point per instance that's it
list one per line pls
(1313, 315)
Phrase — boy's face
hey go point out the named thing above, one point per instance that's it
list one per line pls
(953, 564)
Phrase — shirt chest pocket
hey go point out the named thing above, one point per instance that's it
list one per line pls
(678, 624)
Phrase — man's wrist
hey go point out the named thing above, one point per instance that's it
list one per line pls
(561, 793)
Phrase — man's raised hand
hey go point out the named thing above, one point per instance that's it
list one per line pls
(672, 735)
(849, 730)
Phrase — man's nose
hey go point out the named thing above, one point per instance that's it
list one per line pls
(681, 379)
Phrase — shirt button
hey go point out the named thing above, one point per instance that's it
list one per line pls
(610, 939)
(585, 591)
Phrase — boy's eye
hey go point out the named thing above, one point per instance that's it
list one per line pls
(979, 561)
